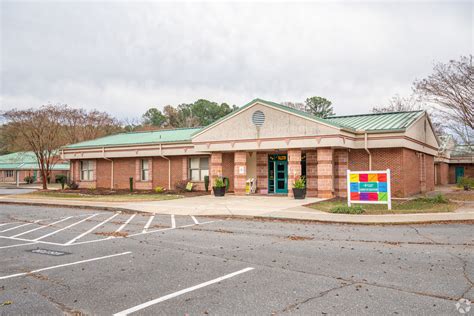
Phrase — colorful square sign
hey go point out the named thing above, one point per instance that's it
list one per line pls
(368, 187)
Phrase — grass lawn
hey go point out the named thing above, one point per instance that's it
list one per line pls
(398, 207)
(122, 197)
(461, 195)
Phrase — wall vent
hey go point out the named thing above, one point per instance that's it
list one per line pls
(258, 118)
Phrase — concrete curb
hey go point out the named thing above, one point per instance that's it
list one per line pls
(440, 218)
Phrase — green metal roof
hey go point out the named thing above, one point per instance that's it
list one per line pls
(390, 121)
(132, 138)
(25, 161)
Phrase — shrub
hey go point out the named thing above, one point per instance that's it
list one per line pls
(159, 190)
(438, 199)
(180, 186)
(206, 183)
(219, 182)
(59, 178)
(29, 179)
(73, 185)
(466, 183)
(299, 183)
(344, 209)
(226, 183)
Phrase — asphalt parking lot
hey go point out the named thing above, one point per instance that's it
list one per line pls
(57, 261)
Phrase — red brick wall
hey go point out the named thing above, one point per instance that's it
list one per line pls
(124, 168)
(404, 165)
(262, 171)
(240, 161)
(442, 173)
(341, 158)
(228, 169)
(160, 171)
(311, 173)
(104, 173)
(468, 171)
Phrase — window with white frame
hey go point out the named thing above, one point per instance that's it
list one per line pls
(198, 168)
(87, 170)
(145, 170)
(8, 173)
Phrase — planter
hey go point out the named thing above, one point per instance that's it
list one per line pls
(218, 191)
(299, 194)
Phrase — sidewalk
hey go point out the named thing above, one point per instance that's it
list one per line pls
(250, 206)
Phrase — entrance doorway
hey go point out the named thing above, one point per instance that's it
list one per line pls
(277, 174)
(459, 173)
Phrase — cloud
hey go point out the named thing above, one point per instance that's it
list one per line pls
(125, 57)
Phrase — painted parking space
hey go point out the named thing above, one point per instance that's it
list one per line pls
(90, 228)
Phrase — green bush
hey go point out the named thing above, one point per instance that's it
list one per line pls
(159, 190)
(226, 183)
(60, 178)
(219, 182)
(344, 209)
(437, 199)
(206, 183)
(466, 183)
(300, 183)
(29, 179)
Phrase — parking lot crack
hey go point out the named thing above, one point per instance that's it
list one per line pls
(465, 274)
(319, 295)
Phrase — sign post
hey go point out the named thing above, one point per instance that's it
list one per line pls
(370, 187)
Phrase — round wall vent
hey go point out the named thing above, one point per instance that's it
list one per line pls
(258, 118)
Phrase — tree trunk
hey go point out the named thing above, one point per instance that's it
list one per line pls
(44, 179)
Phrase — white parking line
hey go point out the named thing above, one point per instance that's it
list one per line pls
(184, 291)
(18, 245)
(91, 230)
(173, 221)
(63, 265)
(12, 228)
(4, 224)
(147, 225)
(64, 228)
(41, 227)
(126, 223)
(195, 220)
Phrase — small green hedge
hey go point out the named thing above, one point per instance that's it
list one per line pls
(344, 209)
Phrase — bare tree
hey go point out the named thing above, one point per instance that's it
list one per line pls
(295, 105)
(399, 104)
(39, 131)
(451, 89)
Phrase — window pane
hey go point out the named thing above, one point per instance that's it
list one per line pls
(90, 175)
(204, 173)
(195, 175)
(204, 163)
(194, 163)
(144, 175)
(145, 164)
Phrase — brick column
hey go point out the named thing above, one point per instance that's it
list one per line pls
(240, 164)
(294, 168)
(325, 172)
(422, 173)
(216, 167)
(311, 173)
(341, 163)
(262, 171)
(184, 170)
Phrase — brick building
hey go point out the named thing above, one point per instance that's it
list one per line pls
(270, 143)
(17, 166)
(453, 161)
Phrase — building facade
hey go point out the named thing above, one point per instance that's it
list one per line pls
(269, 143)
(453, 161)
(17, 166)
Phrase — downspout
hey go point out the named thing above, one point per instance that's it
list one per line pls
(169, 166)
(111, 169)
(368, 152)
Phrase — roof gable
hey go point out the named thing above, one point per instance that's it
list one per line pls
(275, 106)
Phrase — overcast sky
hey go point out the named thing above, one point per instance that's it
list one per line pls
(126, 57)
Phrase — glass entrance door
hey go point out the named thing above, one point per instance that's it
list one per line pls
(277, 174)
(281, 178)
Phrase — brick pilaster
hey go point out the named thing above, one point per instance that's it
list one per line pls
(341, 163)
(240, 164)
(216, 167)
(185, 167)
(294, 168)
(262, 171)
(311, 173)
(325, 172)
